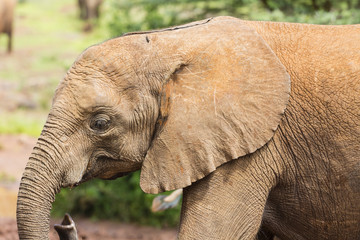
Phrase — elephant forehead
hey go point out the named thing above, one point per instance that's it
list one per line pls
(86, 95)
(92, 95)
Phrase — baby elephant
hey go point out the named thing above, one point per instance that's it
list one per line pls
(257, 122)
(6, 20)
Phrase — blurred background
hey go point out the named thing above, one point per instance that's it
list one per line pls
(47, 38)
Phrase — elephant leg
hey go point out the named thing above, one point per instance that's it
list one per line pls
(97, 11)
(9, 47)
(87, 11)
(81, 4)
(229, 203)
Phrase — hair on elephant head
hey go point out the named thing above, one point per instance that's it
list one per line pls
(176, 104)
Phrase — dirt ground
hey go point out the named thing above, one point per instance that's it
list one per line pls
(96, 230)
(14, 152)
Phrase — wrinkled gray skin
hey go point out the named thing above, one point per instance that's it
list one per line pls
(7, 8)
(116, 110)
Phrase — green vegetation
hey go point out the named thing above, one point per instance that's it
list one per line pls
(124, 16)
(6, 178)
(49, 37)
(21, 122)
(120, 199)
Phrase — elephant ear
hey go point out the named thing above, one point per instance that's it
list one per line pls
(225, 101)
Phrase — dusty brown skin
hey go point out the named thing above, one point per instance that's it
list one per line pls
(208, 107)
(6, 20)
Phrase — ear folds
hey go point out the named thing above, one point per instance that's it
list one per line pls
(224, 102)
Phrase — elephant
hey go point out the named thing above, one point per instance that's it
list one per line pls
(257, 122)
(6, 20)
(89, 9)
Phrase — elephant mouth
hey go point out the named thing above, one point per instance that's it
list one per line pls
(117, 175)
(88, 176)
(103, 167)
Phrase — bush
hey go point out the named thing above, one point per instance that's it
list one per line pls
(120, 199)
(127, 16)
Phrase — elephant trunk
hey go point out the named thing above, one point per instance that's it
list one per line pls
(39, 185)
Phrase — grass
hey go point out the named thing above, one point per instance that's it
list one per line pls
(4, 177)
(22, 122)
(48, 38)
(55, 23)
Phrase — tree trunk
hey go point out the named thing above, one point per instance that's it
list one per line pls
(327, 5)
(39, 184)
(266, 5)
(315, 5)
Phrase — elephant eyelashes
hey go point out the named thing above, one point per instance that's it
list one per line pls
(100, 123)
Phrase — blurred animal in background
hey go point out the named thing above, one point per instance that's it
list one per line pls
(89, 11)
(163, 202)
(6, 20)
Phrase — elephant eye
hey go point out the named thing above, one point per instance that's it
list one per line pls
(100, 123)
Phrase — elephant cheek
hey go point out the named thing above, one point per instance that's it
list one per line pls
(74, 173)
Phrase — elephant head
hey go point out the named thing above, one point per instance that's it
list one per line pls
(175, 103)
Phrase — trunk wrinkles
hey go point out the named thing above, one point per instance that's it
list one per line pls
(39, 185)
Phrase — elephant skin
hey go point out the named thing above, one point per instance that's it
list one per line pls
(258, 122)
(7, 8)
